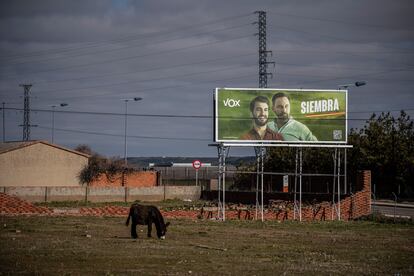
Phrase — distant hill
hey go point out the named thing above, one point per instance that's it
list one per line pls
(144, 161)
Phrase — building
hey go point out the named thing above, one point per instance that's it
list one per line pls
(38, 163)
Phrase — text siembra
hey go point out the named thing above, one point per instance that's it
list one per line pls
(319, 106)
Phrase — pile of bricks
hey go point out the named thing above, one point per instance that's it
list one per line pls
(11, 205)
(351, 207)
(14, 206)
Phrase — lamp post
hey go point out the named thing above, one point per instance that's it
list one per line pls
(126, 124)
(345, 86)
(53, 117)
(4, 123)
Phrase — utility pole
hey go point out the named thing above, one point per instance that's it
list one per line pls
(126, 126)
(26, 116)
(263, 63)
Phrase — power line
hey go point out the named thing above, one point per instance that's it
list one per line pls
(146, 70)
(339, 39)
(130, 57)
(189, 116)
(335, 66)
(353, 76)
(140, 81)
(213, 71)
(126, 47)
(134, 37)
(335, 21)
(347, 52)
(156, 88)
(181, 65)
(129, 136)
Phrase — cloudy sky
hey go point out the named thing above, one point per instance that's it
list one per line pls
(94, 54)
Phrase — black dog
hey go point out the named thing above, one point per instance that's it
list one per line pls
(146, 215)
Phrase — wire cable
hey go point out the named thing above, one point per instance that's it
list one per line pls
(134, 37)
(128, 58)
(122, 48)
(128, 136)
(145, 70)
(182, 116)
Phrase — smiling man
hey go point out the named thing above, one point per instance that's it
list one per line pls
(259, 108)
(284, 124)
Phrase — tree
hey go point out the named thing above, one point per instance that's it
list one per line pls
(385, 146)
(84, 149)
(99, 165)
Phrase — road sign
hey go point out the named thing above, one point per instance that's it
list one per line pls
(196, 164)
(285, 183)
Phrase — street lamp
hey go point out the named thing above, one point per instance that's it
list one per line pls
(345, 86)
(53, 117)
(126, 123)
(356, 84)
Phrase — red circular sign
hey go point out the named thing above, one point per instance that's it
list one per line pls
(196, 164)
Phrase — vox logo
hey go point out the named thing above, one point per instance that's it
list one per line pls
(231, 102)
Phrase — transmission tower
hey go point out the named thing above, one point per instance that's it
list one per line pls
(263, 52)
(26, 116)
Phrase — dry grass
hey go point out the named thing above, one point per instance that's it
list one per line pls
(102, 246)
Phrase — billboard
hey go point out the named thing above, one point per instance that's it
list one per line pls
(281, 115)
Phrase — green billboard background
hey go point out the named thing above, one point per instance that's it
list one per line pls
(233, 117)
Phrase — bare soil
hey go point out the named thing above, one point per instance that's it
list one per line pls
(66, 245)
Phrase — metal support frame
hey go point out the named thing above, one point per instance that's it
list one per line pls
(223, 152)
(336, 185)
(300, 183)
(26, 112)
(260, 153)
(345, 173)
(295, 203)
(339, 185)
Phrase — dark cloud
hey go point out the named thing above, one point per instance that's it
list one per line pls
(92, 54)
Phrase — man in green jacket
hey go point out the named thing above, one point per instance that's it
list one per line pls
(284, 124)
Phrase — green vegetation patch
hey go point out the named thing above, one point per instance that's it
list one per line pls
(99, 246)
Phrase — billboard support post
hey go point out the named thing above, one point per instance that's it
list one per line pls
(345, 173)
(333, 185)
(295, 203)
(257, 152)
(222, 153)
(260, 153)
(336, 187)
(339, 185)
(300, 184)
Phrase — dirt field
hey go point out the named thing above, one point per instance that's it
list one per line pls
(44, 245)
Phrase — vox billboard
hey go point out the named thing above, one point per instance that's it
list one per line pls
(280, 115)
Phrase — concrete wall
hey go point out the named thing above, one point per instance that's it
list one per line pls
(40, 165)
(103, 194)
